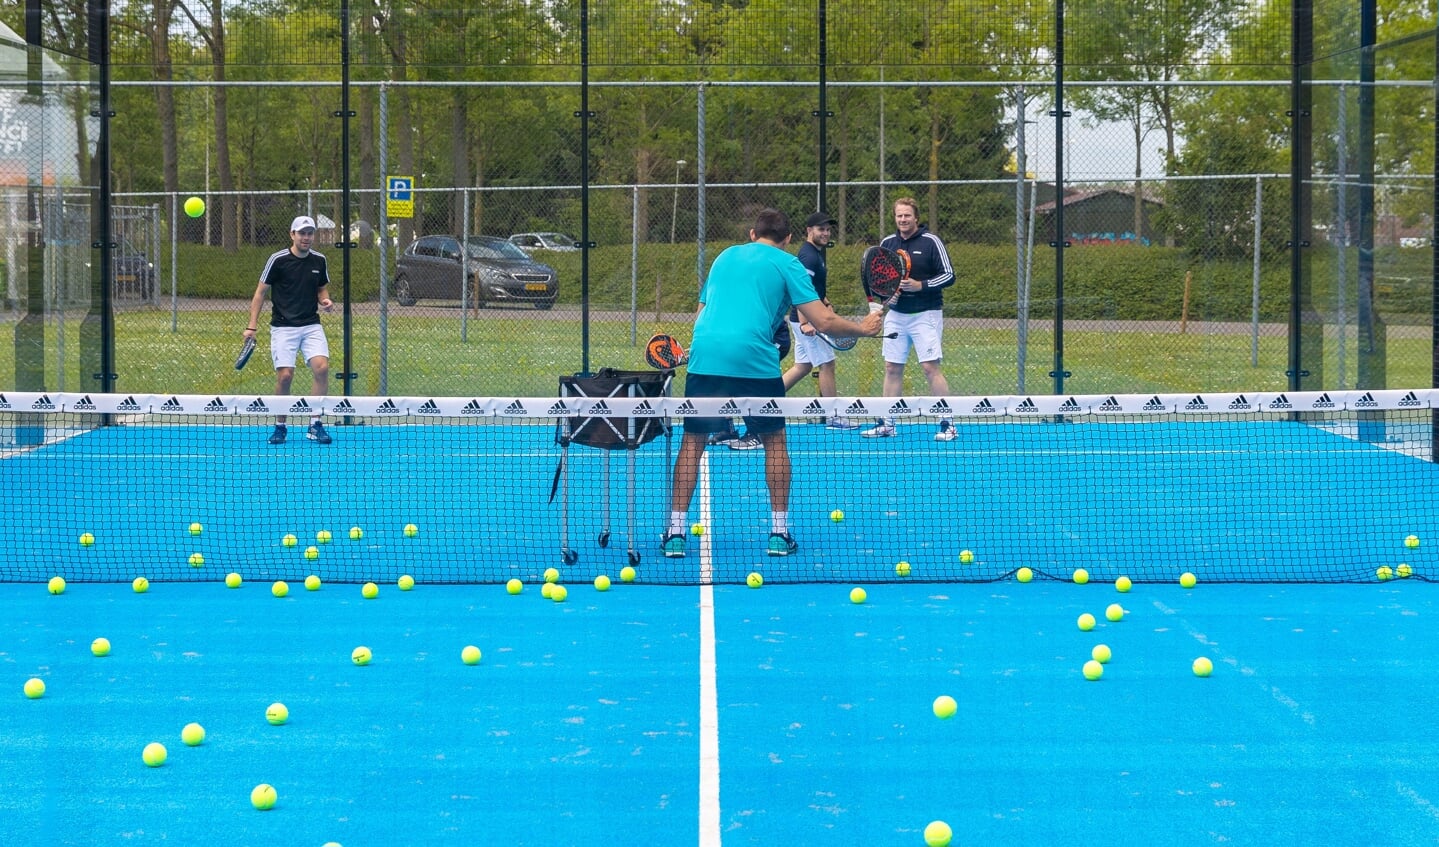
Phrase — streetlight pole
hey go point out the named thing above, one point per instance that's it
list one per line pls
(675, 207)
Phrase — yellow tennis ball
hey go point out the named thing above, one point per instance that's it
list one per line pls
(361, 655)
(837, 515)
(196, 528)
(411, 530)
(697, 529)
(1114, 612)
(754, 580)
(193, 735)
(1411, 541)
(140, 585)
(938, 834)
(902, 569)
(1101, 654)
(1203, 667)
(945, 707)
(1081, 576)
(154, 754)
(263, 797)
(34, 688)
(857, 595)
(312, 583)
(552, 575)
(100, 647)
(277, 714)
(280, 588)
(369, 591)
(627, 574)
(1404, 571)
(86, 539)
(1024, 574)
(966, 557)
(1086, 622)
(194, 207)
(197, 560)
(602, 583)
(1122, 585)
(323, 536)
(1188, 580)
(547, 589)
(470, 655)
(312, 552)
(514, 586)
(233, 580)
(559, 593)
(289, 541)
(1383, 574)
(1093, 670)
(405, 582)
(356, 533)
(56, 585)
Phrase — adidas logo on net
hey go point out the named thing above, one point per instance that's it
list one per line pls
(474, 407)
(1154, 404)
(730, 407)
(1281, 402)
(1410, 400)
(389, 407)
(559, 409)
(984, 407)
(1196, 405)
(84, 404)
(429, 407)
(1324, 402)
(1240, 404)
(515, 409)
(644, 409)
(1366, 402)
(1070, 405)
(1026, 406)
(300, 407)
(814, 408)
(856, 409)
(1111, 404)
(172, 405)
(216, 405)
(899, 409)
(686, 408)
(770, 408)
(127, 405)
(344, 407)
(940, 409)
(257, 405)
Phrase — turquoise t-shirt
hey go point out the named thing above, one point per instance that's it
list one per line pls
(748, 293)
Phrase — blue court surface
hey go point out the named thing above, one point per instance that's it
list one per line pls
(727, 715)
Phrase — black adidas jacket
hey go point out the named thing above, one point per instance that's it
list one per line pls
(929, 263)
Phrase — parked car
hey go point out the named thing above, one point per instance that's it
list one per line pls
(531, 241)
(131, 272)
(499, 272)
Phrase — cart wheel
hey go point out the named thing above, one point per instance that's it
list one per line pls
(569, 556)
(604, 539)
(634, 557)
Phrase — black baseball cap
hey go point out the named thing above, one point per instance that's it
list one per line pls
(819, 219)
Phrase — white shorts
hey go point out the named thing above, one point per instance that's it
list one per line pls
(923, 330)
(287, 341)
(808, 349)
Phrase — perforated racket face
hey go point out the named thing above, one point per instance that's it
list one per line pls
(839, 343)
(664, 352)
(881, 271)
(246, 350)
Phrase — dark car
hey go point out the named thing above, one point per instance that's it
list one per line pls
(134, 273)
(499, 272)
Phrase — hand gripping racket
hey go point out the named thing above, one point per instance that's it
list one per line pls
(665, 353)
(881, 271)
(246, 351)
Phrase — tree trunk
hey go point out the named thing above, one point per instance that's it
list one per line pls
(164, 94)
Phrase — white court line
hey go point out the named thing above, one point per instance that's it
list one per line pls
(709, 822)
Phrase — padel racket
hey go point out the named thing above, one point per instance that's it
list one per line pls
(881, 270)
(847, 343)
(246, 351)
(665, 353)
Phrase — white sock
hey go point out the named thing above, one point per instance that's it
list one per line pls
(677, 523)
(779, 522)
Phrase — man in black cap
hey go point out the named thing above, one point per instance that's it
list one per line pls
(810, 352)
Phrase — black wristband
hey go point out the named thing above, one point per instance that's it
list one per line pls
(251, 329)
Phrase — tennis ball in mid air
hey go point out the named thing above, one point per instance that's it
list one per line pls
(405, 582)
(233, 580)
(1383, 574)
(1024, 574)
(1101, 654)
(754, 580)
(558, 593)
(1404, 571)
(1410, 541)
(627, 574)
(966, 557)
(514, 586)
(56, 585)
(86, 539)
(356, 533)
(1093, 670)
(140, 585)
(280, 588)
(361, 655)
(289, 541)
(470, 655)
(945, 707)
(1203, 667)
(154, 754)
(552, 575)
(858, 595)
(1188, 580)
(193, 735)
(34, 688)
(196, 528)
(323, 536)
(938, 834)
(411, 530)
(100, 647)
(697, 529)
(1114, 612)
(902, 569)
(197, 560)
(1086, 622)
(1081, 576)
(194, 207)
(369, 591)
(312, 552)
(1122, 585)
(263, 797)
(312, 583)
(602, 583)
(837, 515)
(277, 714)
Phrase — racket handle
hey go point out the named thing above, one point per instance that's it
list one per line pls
(875, 307)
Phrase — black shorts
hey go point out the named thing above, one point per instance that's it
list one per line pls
(706, 385)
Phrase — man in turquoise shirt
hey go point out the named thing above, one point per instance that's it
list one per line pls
(750, 289)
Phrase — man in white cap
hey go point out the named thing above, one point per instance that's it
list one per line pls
(298, 284)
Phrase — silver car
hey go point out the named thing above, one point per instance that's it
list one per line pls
(532, 241)
(499, 272)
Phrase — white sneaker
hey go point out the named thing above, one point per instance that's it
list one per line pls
(883, 430)
(838, 422)
(946, 432)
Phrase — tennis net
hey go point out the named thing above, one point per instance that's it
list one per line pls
(1261, 487)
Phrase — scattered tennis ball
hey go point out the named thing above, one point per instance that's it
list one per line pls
(312, 552)
(34, 688)
(196, 528)
(945, 707)
(323, 536)
(1188, 580)
(470, 655)
(1024, 574)
(837, 515)
(140, 585)
(280, 588)
(754, 580)
(1086, 622)
(405, 582)
(361, 655)
(1410, 541)
(197, 560)
(559, 593)
(547, 589)
(1384, 574)
(411, 530)
(902, 569)
(263, 797)
(1122, 585)
(966, 557)
(369, 591)
(552, 575)
(193, 735)
(514, 586)
(56, 585)
(697, 529)
(100, 647)
(87, 539)
(289, 541)
(1114, 612)
(938, 834)
(1093, 670)
(1081, 576)
(602, 583)
(1203, 667)
(1404, 571)
(857, 595)
(312, 583)
(154, 754)
(233, 580)
(277, 714)
(356, 533)
(627, 574)
(194, 207)
(1101, 654)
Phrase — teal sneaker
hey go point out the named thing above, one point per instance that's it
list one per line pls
(674, 546)
(782, 544)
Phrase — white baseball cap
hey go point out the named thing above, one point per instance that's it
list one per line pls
(302, 222)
